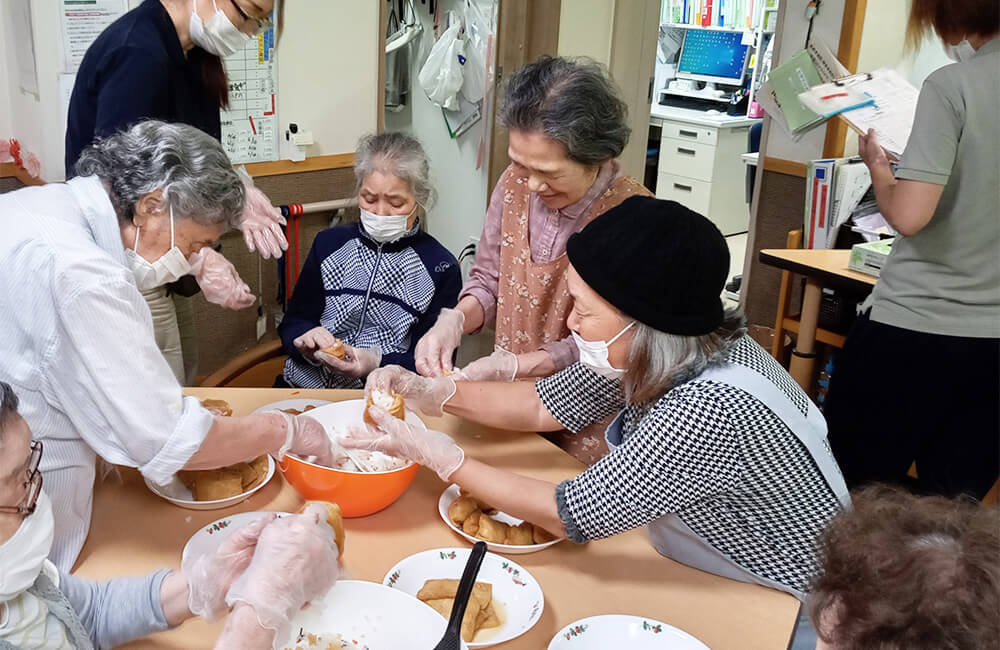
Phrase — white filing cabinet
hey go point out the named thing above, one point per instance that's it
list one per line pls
(700, 165)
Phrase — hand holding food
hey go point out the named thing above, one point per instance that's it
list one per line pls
(219, 281)
(330, 513)
(316, 339)
(436, 348)
(499, 366)
(392, 402)
(352, 361)
(397, 438)
(426, 394)
(295, 562)
(209, 576)
(479, 613)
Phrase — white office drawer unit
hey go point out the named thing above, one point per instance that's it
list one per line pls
(688, 159)
(693, 194)
(700, 167)
(690, 132)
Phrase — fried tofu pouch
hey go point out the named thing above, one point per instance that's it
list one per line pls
(336, 350)
(214, 484)
(392, 402)
(440, 594)
(217, 406)
(333, 517)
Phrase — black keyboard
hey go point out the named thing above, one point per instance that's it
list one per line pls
(693, 103)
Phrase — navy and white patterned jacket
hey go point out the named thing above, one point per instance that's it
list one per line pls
(367, 294)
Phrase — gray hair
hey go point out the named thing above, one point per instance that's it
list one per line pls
(8, 407)
(399, 155)
(571, 101)
(190, 167)
(658, 361)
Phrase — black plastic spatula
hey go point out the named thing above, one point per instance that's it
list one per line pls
(452, 639)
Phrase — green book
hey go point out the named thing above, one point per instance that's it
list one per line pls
(796, 75)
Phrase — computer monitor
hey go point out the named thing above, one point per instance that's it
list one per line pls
(714, 56)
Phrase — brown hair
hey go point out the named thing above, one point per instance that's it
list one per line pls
(906, 572)
(951, 19)
(214, 77)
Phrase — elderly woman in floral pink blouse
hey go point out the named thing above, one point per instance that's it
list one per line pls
(567, 124)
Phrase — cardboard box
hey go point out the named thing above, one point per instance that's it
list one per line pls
(870, 257)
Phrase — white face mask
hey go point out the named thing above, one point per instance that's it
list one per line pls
(961, 52)
(169, 268)
(385, 228)
(220, 36)
(22, 555)
(594, 354)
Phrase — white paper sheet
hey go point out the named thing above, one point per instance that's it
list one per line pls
(82, 22)
(24, 46)
(892, 114)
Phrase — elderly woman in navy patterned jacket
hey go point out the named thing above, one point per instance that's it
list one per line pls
(377, 285)
(715, 449)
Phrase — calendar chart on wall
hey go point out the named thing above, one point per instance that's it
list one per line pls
(250, 124)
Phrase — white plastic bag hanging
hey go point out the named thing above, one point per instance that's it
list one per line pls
(441, 77)
(474, 70)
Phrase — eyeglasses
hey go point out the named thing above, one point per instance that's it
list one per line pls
(260, 24)
(32, 481)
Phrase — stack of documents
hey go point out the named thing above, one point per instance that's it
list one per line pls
(834, 188)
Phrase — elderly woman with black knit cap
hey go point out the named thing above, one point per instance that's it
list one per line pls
(715, 450)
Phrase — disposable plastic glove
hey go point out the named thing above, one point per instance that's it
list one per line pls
(261, 222)
(219, 281)
(313, 341)
(357, 362)
(307, 439)
(210, 575)
(499, 366)
(436, 348)
(395, 437)
(295, 563)
(425, 394)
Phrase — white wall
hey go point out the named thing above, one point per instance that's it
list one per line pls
(327, 77)
(585, 29)
(328, 71)
(458, 214)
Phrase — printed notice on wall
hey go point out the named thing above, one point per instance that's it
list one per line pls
(250, 125)
(82, 21)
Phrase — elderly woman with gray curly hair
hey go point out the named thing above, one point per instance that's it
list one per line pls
(78, 341)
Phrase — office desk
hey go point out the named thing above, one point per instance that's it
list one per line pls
(822, 268)
(699, 164)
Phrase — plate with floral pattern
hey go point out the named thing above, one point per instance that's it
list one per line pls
(623, 631)
(517, 596)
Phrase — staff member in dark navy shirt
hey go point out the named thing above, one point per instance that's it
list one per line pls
(163, 60)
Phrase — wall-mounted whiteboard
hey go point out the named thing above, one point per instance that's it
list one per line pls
(250, 124)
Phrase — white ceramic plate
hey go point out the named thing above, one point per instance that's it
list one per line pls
(297, 404)
(207, 538)
(178, 494)
(516, 594)
(452, 493)
(622, 631)
(369, 616)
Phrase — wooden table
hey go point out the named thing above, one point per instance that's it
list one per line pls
(822, 268)
(135, 532)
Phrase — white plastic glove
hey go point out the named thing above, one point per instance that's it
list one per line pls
(219, 281)
(210, 575)
(435, 348)
(357, 362)
(295, 563)
(307, 439)
(261, 222)
(425, 394)
(395, 437)
(313, 341)
(499, 366)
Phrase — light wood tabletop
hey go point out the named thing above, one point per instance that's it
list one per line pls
(134, 532)
(825, 264)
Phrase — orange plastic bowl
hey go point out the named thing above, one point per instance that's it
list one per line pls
(357, 493)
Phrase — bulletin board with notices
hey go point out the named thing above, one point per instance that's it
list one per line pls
(250, 124)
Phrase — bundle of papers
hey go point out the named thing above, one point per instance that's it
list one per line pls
(779, 95)
(834, 189)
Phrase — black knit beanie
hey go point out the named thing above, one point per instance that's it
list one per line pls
(659, 262)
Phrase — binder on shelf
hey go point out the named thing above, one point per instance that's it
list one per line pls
(819, 198)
